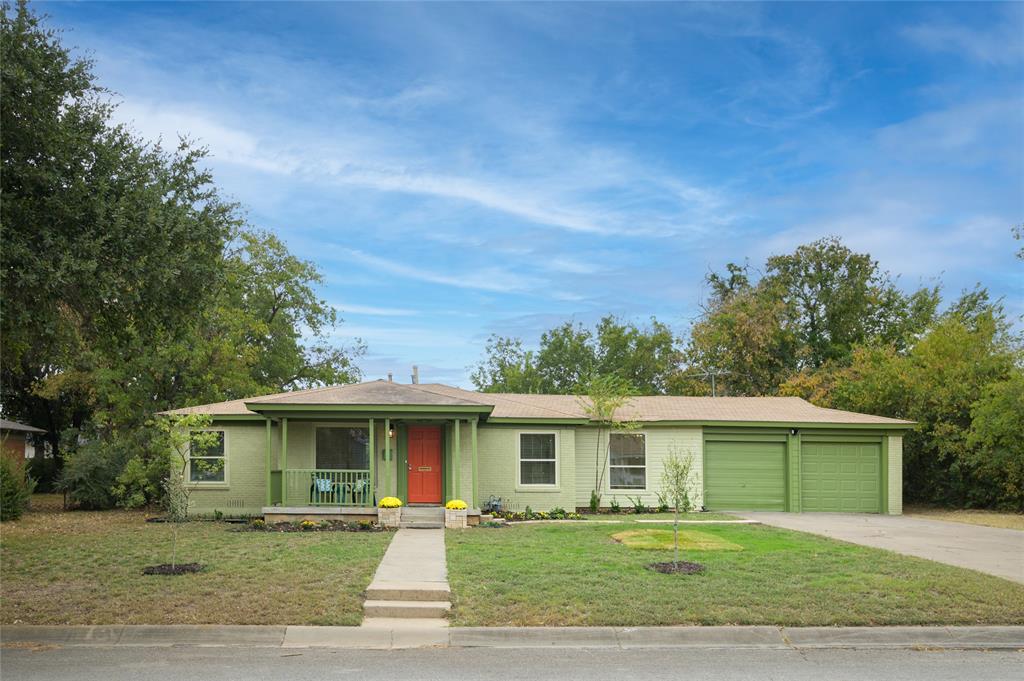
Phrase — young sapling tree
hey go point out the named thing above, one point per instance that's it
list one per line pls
(676, 479)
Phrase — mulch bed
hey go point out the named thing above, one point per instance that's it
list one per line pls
(168, 569)
(681, 568)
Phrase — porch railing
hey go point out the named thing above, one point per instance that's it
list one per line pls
(327, 487)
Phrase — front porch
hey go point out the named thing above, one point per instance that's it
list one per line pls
(340, 464)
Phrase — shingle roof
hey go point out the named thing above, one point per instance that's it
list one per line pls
(521, 406)
(14, 425)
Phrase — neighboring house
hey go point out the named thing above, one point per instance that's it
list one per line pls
(431, 443)
(15, 438)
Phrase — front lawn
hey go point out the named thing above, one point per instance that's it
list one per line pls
(86, 568)
(577, 574)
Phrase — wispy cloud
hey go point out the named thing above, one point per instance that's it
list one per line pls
(997, 45)
(352, 308)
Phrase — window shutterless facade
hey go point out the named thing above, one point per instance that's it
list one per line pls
(207, 461)
(538, 459)
(627, 461)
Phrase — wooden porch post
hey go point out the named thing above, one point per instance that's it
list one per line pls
(284, 461)
(269, 449)
(474, 500)
(455, 461)
(387, 456)
(373, 477)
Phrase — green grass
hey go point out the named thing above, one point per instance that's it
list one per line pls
(86, 568)
(576, 574)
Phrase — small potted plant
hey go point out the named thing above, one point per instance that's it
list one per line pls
(390, 512)
(455, 513)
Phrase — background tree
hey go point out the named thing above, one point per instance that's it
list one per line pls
(644, 356)
(129, 284)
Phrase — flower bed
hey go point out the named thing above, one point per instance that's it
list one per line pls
(530, 514)
(310, 526)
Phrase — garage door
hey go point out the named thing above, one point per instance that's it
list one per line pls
(748, 476)
(841, 476)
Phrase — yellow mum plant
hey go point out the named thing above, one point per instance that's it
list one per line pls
(456, 505)
(390, 502)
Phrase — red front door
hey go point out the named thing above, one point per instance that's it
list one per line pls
(424, 465)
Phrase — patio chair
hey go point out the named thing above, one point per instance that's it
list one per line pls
(322, 490)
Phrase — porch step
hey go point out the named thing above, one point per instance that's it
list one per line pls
(409, 591)
(422, 525)
(426, 609)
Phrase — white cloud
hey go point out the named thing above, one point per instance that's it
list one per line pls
(999, 45)
(351, 308)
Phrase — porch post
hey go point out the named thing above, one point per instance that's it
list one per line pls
(284, 461)
(474, 500)
(269, 449)
(387, 456)
(455, 462)
(373, 477)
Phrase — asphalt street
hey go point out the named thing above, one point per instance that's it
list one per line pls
(251, 664)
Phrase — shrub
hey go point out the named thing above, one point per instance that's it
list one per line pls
(638, 505)
(308, 525)
(614, 507)
(390, 502)
(663, 505)
(258, 523)
(15, 489)
(139, 483)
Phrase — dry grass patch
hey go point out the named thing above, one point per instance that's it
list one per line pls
(86, 568)
(1006, 520)
(663, 540)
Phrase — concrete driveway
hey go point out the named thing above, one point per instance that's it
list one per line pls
(992, 550)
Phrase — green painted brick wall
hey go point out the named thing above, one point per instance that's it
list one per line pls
(661, 441)
(246, 488)
(895, 475)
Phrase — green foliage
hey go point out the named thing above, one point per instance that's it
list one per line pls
(16, 489)
(130, 285)
(595, 501)
(569, 355)
(604, 400)
(138, 484)
(663, 504)
(677, 481)
(638, 505)
(958, 383)
(614, 506)
(812, 308)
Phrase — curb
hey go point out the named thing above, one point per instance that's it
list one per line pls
(386, 638)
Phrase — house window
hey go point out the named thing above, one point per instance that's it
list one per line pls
(343, 448)
(206, 461)
(538, 459)
(627, 461)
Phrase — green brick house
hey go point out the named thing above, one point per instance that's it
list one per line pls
(342, 448)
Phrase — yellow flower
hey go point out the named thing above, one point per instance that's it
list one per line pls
(456, 505)
(390, 502)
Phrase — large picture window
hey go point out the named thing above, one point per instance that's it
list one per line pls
(342, 448)
(206, 461)
(538, 459)
(627, 461)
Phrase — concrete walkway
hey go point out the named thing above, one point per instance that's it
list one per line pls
(758, 637)
(993, 550)
(409, 595)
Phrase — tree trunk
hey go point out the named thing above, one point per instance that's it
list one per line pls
(675, 537)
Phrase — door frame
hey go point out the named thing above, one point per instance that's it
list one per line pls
(440, 430)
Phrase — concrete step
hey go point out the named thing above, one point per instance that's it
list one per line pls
(406, 609)
(409, 591)
(423, 513)
(422, 524)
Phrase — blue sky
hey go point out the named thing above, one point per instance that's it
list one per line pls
(461, 170)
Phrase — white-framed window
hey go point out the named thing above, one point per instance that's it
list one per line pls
(537, 459)
(627, 461)
(208, 464)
